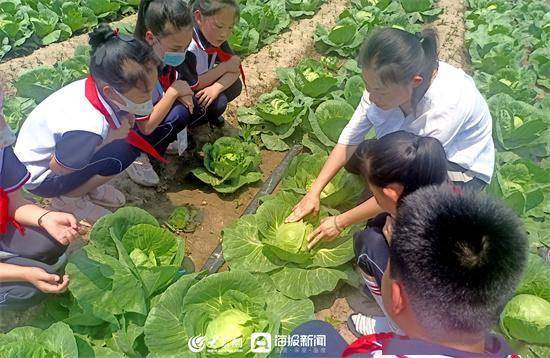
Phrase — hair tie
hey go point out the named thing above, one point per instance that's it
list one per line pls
(116, 32)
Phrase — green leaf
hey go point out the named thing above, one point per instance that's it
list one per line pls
(120, 221)
(301, 283)
(104, 285)
(165, 333)
(242, 248)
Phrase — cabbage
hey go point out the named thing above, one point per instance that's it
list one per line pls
(342, 192)
(263, 243)
(223, 309)
(229, 164)
(527, 318)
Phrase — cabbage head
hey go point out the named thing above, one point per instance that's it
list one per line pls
(223, 309)
(230, 163)
(264, 243)
(342, 192)
(527, 318)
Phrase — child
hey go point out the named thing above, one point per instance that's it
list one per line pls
(80, 137)
(32, 240)
(167, 26)
(455, 260)
(393, 166)
(218, 68)
(410, 89)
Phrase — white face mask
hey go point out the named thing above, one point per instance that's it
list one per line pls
(139, 109)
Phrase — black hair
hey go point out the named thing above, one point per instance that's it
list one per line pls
(156, 15)
(459, 256)
(110, 52)
(404, 158)
(397, 56)
(212, 7)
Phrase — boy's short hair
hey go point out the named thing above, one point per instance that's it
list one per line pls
(459, 256)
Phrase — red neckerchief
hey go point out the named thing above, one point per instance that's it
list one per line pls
(167, 77)
(221, 55)
(5, 218)
(133, 138)
(367, 344)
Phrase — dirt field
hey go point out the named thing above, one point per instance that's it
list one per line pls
(178, 187)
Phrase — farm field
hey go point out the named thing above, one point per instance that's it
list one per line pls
(128, 300)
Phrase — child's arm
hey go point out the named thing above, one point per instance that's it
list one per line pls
(331, 227)
(45, 282)
(216, 74)
(63, 227)
(162, 108)
(208, 95)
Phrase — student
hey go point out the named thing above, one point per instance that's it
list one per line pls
(217, 66)
(455, 260)
(80, 137)
(167, 26)
(410, 89)
(393, 167)
(32, 240)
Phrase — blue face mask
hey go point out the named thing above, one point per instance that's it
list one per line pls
(174, 59)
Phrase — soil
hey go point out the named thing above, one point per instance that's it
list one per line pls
(451, 29)
(178, 185)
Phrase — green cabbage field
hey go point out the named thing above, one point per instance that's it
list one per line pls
(129, 296)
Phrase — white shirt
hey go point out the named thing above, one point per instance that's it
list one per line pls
(452, 110)
(66, 110)
(197, 48)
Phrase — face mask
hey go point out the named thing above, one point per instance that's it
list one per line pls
(139, 109)
(174, 59)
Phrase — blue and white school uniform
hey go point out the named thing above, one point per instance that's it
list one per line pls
(452, 110)
(206, 62)
(23, 246)
(70, 126)
(174, 125)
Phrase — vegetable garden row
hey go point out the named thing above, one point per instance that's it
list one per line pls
(29, 24)
(127, 295)
(260, 23)
(510, 53)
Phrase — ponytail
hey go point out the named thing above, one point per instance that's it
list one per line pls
(404, 158)
(157, 15)
(397, 56)
(428, 41)
(110, 51)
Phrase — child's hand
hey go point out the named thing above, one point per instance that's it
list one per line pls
(387, 230)
(328, 231)
(179, 89)
(233, 64)
(310, 203)
(127, 123)
(47, 282)
(208, 95)
(187, 101)
(62, 227)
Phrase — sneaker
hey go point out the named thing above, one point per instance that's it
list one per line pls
(107, 196)
(79, 207)
(172, 148)
(141, 172)
(363, 325)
